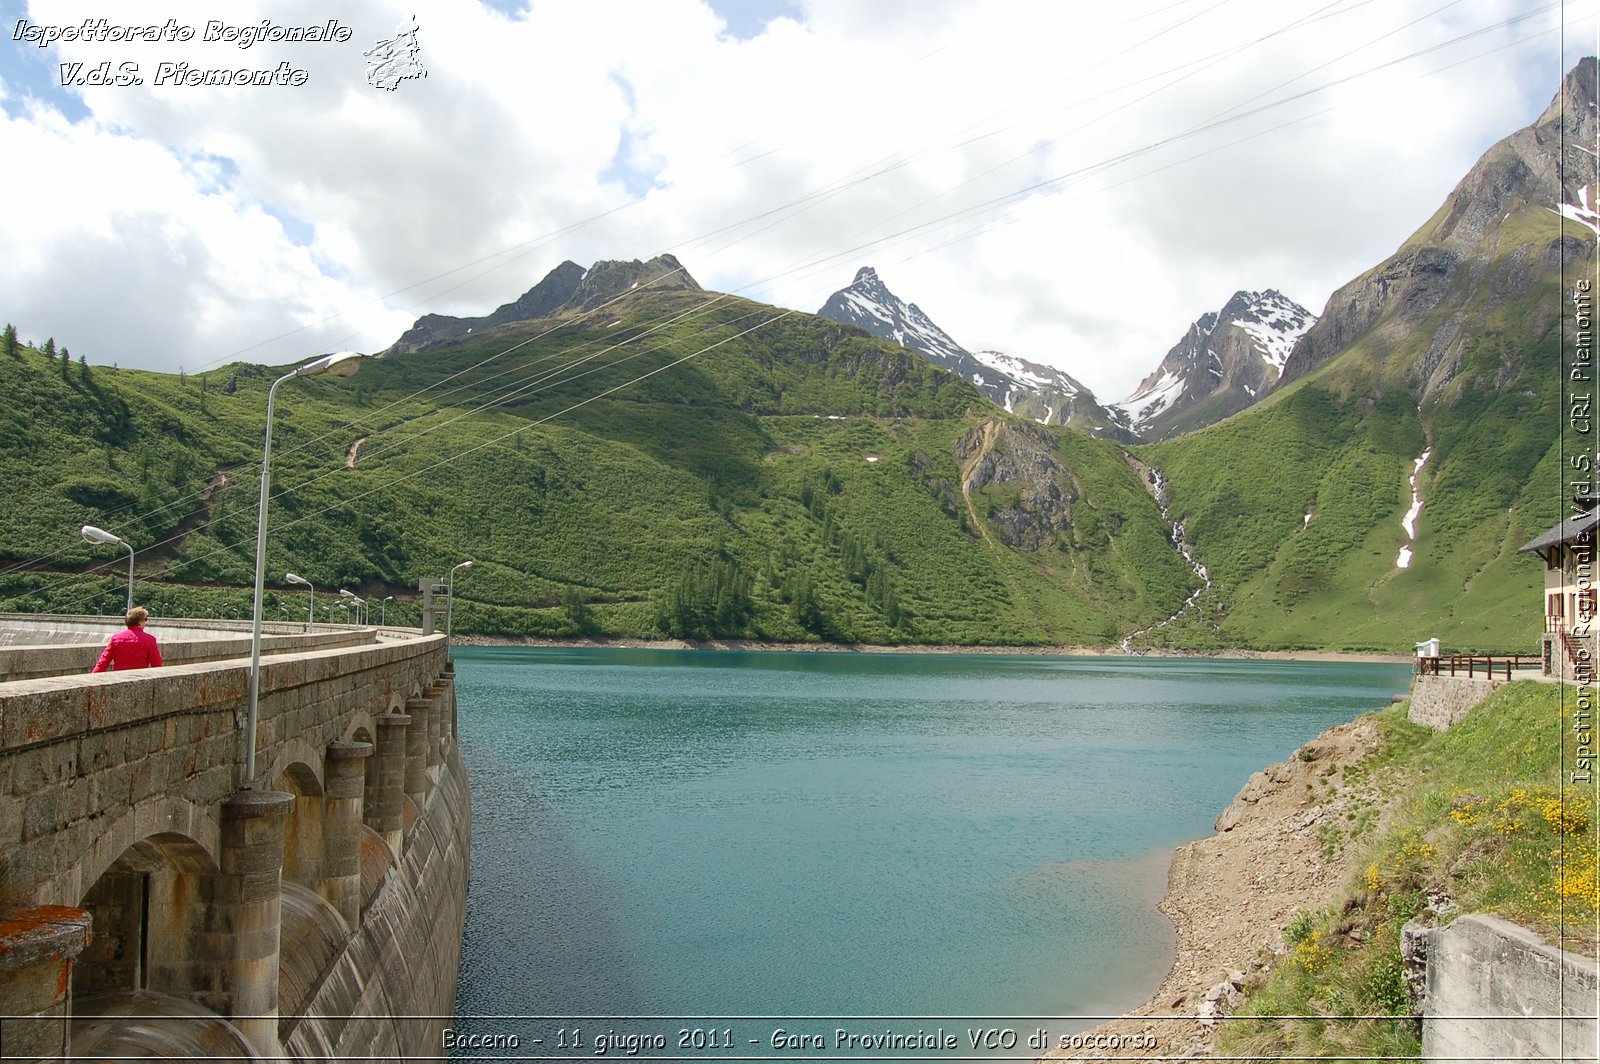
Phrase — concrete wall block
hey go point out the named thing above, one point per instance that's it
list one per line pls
(42, 814)
(100, 750)
(10, 826)
(34, 715)
(115, 787)
(70, 841)
(182, 763)
(1497, 991)
(218, 779)
(44, 766)
(138, 742)
(181, 690)
(226, 742)
(148, 781)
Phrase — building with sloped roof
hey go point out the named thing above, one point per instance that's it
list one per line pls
(1570, 629)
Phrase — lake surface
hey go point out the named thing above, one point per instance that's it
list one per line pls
(713, 834)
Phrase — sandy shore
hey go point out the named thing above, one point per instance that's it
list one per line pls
(919, 648)
(1229, 897)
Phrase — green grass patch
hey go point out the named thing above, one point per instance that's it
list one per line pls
(1489, 819)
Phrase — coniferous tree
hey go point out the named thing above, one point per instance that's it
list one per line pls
(50, 349)
(8, 340)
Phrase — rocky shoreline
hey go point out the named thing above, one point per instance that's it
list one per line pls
(752, 645)
(1229, 897)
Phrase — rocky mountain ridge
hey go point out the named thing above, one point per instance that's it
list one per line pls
(1226, 361)
(569, 288)
(1483, 247)
(1038, 392)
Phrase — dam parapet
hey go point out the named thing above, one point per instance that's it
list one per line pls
(149, 891)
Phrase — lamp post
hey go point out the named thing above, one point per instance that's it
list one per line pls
(311, 606)
(383, 610)
(100, 535)
(355, 600)
(338, 364)
(450, 599)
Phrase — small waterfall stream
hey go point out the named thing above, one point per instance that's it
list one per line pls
(1158, 490)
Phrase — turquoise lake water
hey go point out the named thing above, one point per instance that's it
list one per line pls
(711, 834)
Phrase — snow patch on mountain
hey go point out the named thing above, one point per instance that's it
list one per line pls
(1236, 354)
(1151, 400)
(1581, 212)
(1409, 521)
(1030, 373)
(1275, 324)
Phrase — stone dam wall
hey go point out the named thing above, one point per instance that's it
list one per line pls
(153, 901)
(1438, 702)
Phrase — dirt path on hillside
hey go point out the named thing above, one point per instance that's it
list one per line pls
(354, 452)
(1230, 896)
(991, 432)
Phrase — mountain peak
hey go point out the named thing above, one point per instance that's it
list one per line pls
(1507, 200)
(610, 278)
(567, 288)
(1027, 389)
(1578, 95)
(1225, 361)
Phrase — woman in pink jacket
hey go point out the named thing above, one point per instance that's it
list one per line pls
(132, 648)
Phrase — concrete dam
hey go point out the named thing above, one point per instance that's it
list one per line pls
(155, 903)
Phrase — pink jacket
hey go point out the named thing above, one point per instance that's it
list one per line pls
(131, 648)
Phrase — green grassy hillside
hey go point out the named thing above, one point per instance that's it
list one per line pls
(694, 465)
(1339, 445)
(798, 482)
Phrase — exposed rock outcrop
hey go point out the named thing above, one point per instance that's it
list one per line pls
(1014, 468)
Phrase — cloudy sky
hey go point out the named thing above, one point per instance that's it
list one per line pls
(1062, 181)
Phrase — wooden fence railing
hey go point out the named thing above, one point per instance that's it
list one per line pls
(1473, 666)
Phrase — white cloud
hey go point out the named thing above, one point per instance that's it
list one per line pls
(153, 236)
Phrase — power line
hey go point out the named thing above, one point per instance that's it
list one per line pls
(812, 265)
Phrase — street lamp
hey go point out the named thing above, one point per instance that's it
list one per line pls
(100, 535)
(383, 610)
(450, 598)
(338, 364)
(311, 607)
(355, 600)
